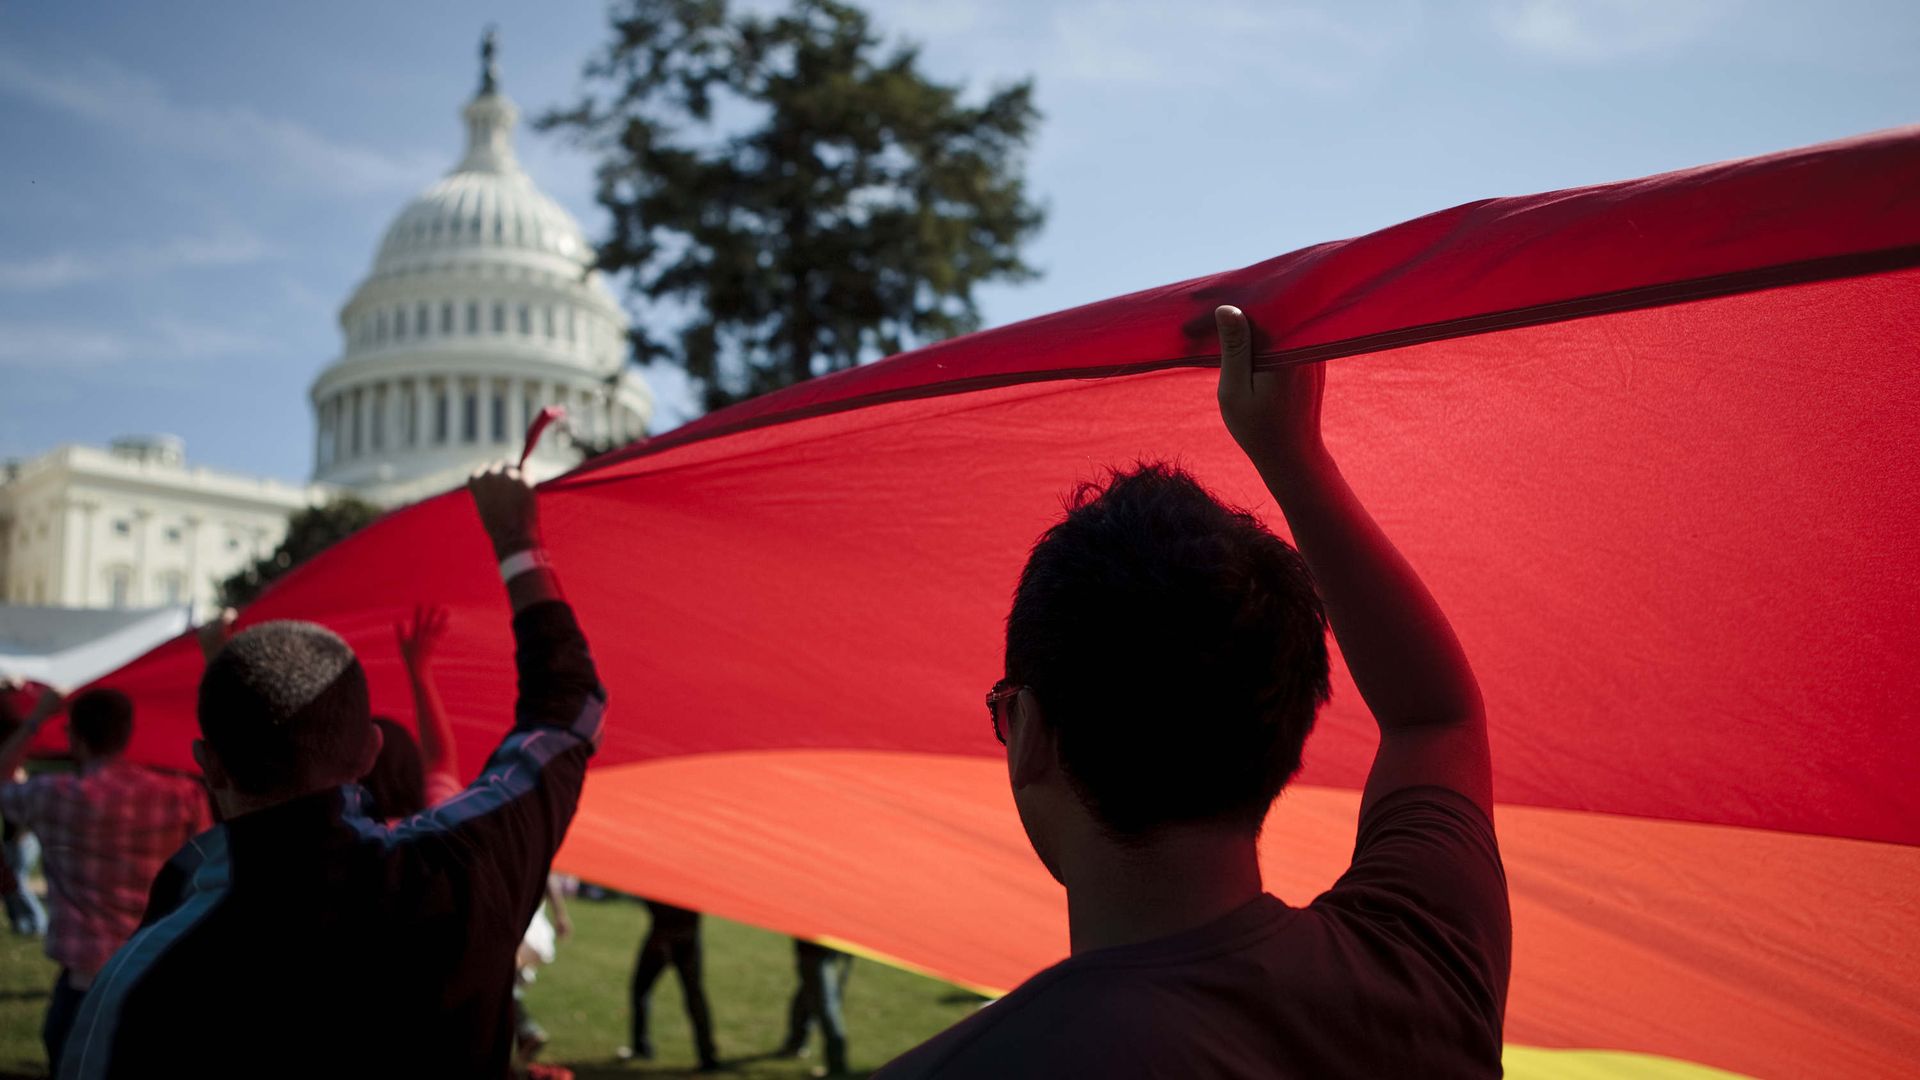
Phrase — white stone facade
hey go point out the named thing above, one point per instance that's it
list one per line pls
(133, 526)
(482, 308)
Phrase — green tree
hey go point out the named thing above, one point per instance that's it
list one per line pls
(799, 189)
(309, 532)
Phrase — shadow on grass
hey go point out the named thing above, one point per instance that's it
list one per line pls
(615, 1070)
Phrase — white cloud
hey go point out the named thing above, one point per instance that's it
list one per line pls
(924, 20)
(49, 348)
(1324, 49)
(1599, 31)
(52, 347)
(112, 96)
(187, 339)
(66, 268)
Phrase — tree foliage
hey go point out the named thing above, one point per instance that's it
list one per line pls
(309, 532)
(801, 189)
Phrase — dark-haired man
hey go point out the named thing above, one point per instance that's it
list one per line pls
(313, 940)
(1165, 659)
(105, 829)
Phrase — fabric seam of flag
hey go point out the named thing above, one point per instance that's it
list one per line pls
(1804, 272)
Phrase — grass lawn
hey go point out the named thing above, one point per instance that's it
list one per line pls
(582, 1001)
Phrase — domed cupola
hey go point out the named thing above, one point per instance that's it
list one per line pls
(482, 307)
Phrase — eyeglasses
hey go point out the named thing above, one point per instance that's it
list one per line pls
(1002, 691)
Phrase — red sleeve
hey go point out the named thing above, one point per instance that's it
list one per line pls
(1426, 869)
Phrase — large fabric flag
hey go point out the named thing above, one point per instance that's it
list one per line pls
(1651, 443)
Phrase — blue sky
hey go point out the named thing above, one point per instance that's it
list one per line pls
(188, 192)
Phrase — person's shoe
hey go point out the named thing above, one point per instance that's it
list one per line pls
(791, 1049)
(643, 1051)
(710, 1066)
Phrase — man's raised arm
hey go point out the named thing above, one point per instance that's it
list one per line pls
(558, 685)
(13, 749)
(1398, 646)
(515, 813)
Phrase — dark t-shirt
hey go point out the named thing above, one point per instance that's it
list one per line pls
(1400, 969)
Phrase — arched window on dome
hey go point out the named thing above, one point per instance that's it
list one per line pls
(422, 320)
(442, 414)
(470, 415)
(119, 586)
(446, 318)
(409, 415)
(380, 327)
(377, 433)
(399, 324)
(499, 229)
(525, 320)
(499, 318)
(573, 323)
(549, 322)
(324, 449)
(473, 316)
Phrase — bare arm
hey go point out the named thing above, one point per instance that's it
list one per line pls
(213, 634)
(15, 747)
(1397, 642)
(557, 900)
(417, 639)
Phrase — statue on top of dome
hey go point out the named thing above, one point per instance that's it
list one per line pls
(489, 71)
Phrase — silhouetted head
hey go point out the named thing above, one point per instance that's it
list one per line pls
(397, 783)
(1175, 652)
(283, 711)
(99, 724)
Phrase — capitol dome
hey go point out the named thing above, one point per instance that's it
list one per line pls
(482, 307)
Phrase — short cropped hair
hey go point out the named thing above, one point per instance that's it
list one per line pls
(101, 721)
(1177, 648)
(285, 706)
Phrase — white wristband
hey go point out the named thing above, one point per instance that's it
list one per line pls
(522, 561)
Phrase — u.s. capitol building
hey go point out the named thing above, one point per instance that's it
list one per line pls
(482, 307)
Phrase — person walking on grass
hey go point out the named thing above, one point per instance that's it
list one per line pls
(673, 939)
(823, 972)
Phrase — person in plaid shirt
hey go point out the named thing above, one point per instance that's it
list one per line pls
(105, 830)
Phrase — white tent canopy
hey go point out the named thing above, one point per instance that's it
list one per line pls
(70, 647)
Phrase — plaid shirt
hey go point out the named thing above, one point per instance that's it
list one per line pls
(104, 833)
